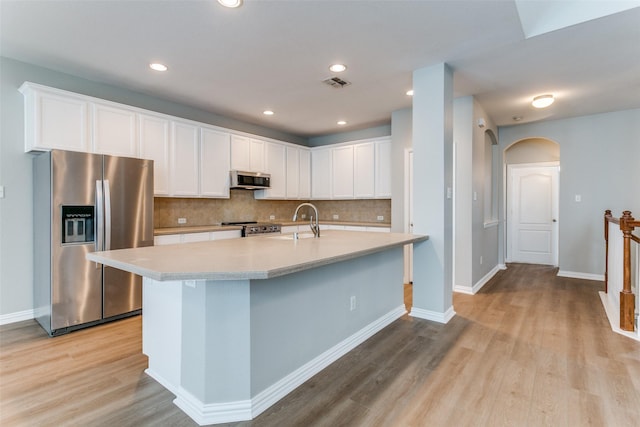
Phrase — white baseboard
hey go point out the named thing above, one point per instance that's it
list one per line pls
(613, 314)
(578, 275)
(433, 315)
(480, 283)
(243, 410)
(18, 316)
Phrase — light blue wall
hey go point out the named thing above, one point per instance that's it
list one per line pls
(599, 157)
(355, 135)
(401, 141)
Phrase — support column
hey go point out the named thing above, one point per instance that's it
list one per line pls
(432, 194)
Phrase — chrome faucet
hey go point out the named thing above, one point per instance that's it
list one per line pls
(314, 227)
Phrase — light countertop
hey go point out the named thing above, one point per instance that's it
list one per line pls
(216, 227)
(260, 257)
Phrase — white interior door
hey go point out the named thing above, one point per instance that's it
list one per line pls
(533, 214)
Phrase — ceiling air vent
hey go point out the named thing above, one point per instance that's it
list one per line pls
(336, 82)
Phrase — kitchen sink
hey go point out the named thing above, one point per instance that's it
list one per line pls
(290, 236)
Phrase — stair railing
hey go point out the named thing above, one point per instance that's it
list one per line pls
(627, 300)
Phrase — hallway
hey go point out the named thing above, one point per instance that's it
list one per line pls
(530, 349)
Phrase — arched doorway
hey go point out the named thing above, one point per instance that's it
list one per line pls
(532, 189)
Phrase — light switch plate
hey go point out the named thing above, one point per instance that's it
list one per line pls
(335, 216)
(182, 220)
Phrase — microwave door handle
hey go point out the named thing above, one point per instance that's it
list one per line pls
(99, 216)
(107, 216)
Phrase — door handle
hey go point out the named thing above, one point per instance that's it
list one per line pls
(554, 220)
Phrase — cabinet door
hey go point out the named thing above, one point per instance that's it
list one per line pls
(293, 173)
(305, 173)
(342, 164)
(214, 163)
(184, 174)
(227, 234)
(257, 156)
(247, 154)
(276, 166)
(321, 173)
(113, 130)
(196, 237)
(54, 121)
(363, 171)
(167, 239)
(240, 153)
(154, 145)
(383, 170)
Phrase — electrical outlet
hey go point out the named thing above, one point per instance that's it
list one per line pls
(380, 217)
(336, 216)
(272, 217)
(1, 191)
(182, 220)
(578, 198)
(303, 216)
(352, 303)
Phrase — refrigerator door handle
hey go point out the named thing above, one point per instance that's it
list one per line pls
(99, 216)
(107, 216)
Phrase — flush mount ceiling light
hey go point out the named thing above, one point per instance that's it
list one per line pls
(542, 101)
(338, 68)
(158, 66)
(268, 113)
(341, 122)
(409, 92)
(230, 3)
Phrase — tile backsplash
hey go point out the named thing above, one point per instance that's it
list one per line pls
(243, 207)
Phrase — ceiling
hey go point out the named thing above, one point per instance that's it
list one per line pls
(275, 54)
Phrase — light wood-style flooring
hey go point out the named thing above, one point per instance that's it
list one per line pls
(530, 349)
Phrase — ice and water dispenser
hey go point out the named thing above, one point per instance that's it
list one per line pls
(77, 224)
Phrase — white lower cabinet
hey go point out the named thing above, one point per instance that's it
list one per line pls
(171, 239)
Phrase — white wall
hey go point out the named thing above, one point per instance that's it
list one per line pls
(599, 158)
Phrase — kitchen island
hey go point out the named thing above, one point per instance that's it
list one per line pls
(232, 326)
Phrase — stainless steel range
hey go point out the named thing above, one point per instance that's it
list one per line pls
(255, 228)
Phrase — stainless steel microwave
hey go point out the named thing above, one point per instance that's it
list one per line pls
(250, 180)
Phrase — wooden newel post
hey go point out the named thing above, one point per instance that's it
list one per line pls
(627, 299)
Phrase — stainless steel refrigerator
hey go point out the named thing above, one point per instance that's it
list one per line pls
(83, 203)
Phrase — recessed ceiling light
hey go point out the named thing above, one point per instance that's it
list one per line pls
(230, 3)
(342, 122)
(268, 113)
(542, 101)
(338, 68)
(410, 92)
(158, 66)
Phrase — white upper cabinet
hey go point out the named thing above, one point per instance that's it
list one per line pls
(363, 171)
(54, 119)
(154, 145)
(113, 130)
(247, 154)
(305, 173)
(383, 170)
(276, 166)
(321, 173)
(214, 163)
(342, 165)
(293, 173)
(185, 154)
